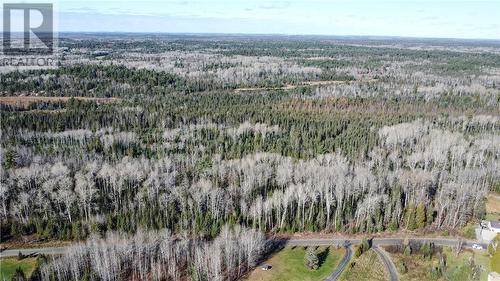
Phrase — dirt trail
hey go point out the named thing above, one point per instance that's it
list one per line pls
(307, 83)
(23, 101)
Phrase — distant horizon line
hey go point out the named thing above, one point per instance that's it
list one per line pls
(215, 34)
(379, 37)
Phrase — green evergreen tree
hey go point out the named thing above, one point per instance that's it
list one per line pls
(420, 216)
(311, 260)
(427, 250)
(365, 245)
(407, 251)
(411, 223)
(19, 275)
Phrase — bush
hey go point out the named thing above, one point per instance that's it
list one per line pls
(402, 268)
(358, 252)
(20, 256)
(434, 273)
(469, 232)
(439, 270)
(365, 245)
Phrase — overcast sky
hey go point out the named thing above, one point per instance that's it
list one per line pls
(425, 18)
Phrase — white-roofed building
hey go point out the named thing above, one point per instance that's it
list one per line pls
(487, 231)
(494, 226)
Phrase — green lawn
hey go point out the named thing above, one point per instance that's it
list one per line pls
(367, 267)
(288, 265)
(9, 265)
(495, 261)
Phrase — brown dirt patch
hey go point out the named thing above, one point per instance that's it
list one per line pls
(24, 101)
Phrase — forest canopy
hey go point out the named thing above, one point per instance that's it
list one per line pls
(208, 138)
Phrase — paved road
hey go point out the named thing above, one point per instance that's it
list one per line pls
(450, 242)
(389, 265)
(45, 251)
(292, 242)
(307, 242)
(342, 265)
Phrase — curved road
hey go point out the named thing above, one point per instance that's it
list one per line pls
(342, 265)
(376, 242)
(389, 265)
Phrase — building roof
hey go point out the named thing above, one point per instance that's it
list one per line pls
(495, 224)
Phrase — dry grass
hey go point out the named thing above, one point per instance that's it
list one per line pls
(367, 267)
(418, 268)
(493, 206)
(457, 266)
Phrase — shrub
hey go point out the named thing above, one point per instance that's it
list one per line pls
(365, 245)
(469, 232)
(358, 252)
(402, 268)
(20, 256)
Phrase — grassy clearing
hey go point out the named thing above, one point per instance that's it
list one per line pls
(288, 265)
(493, 206)
(417, 268)
(8, 267)
(457, 267)
(367, 267)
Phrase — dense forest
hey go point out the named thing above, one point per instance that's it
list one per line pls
(208, 143)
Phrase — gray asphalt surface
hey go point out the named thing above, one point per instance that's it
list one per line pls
(389, 265)
(292, 242)
(342, 265)
(45, 251)
(450, 242)
(376, 242)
